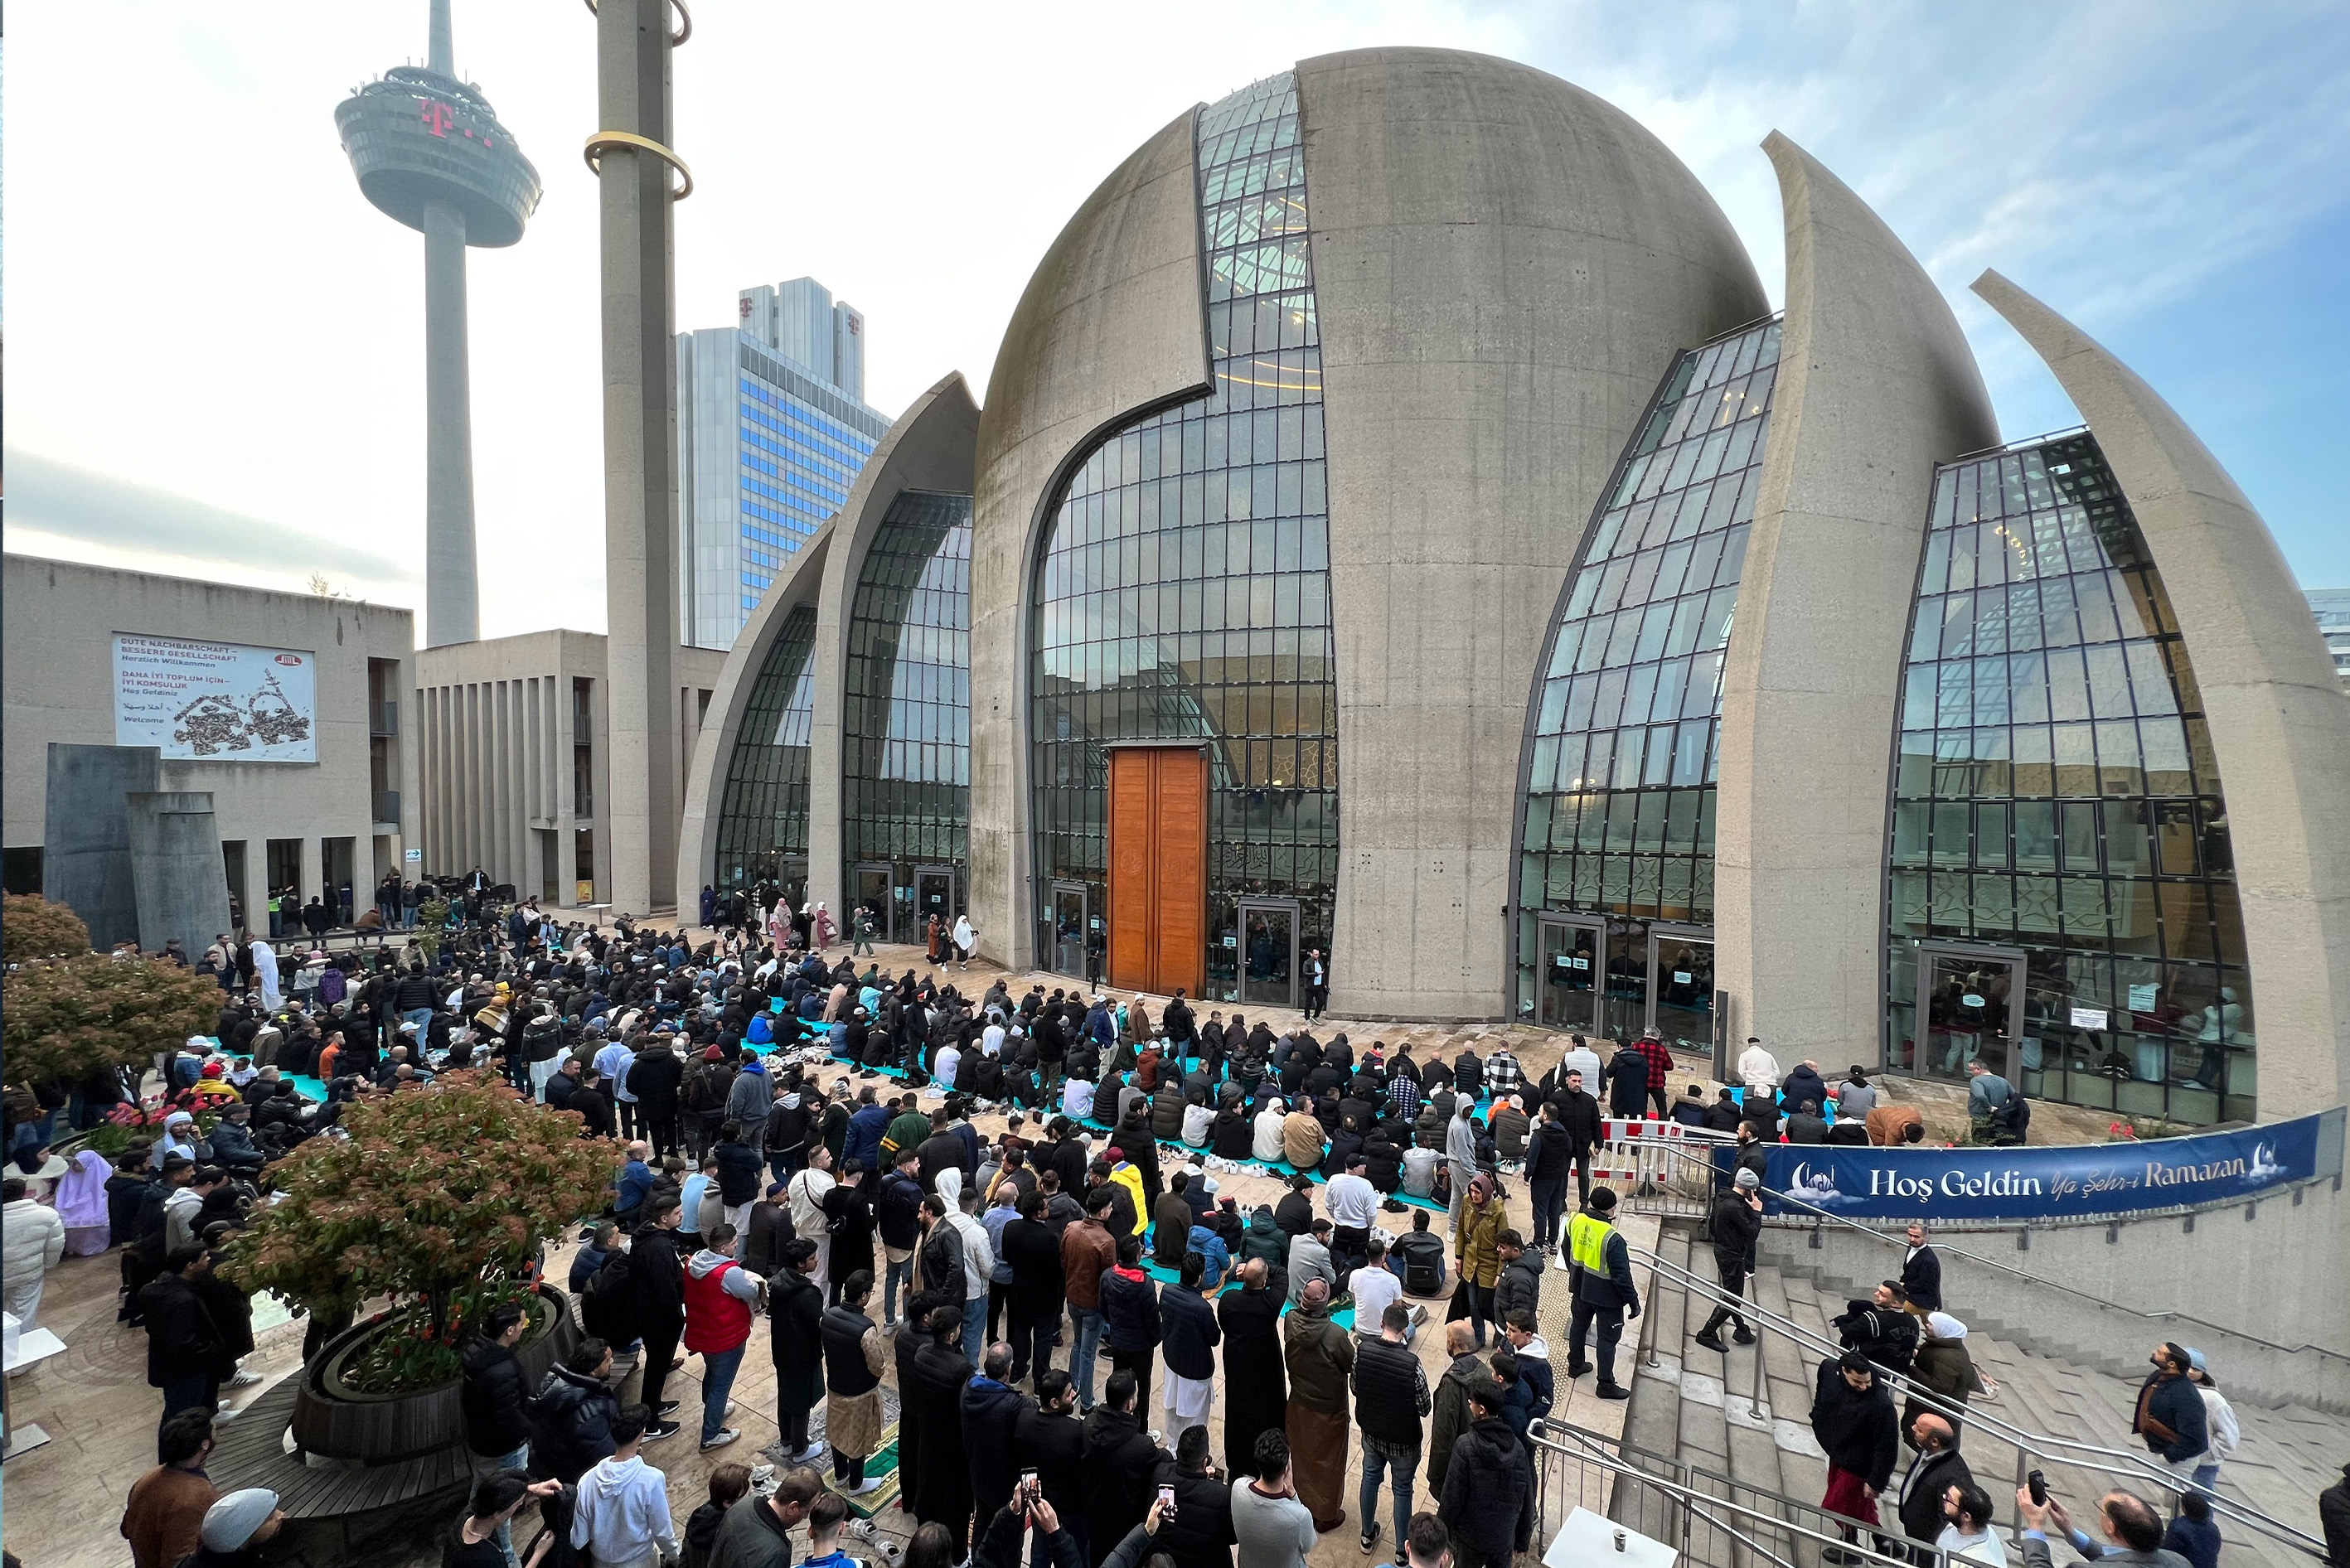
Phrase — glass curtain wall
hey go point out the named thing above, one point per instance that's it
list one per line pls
(906, 774)
(2055, 798)
(1184, 589)
(1619, 796)
(764, 815)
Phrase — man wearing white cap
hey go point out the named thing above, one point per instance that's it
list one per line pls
(235, 1528)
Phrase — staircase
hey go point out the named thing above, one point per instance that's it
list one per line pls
(1700, 1408)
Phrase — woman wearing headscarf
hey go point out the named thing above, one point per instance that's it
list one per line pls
(1942, 1366)
(81, 1204)
(966, 939)
(265, 974)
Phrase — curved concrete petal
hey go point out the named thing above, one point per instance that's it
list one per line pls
(1876, 386)
(1504, 265)
(2279, 722)
(1111, 326)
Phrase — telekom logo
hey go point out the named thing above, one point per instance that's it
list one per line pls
(437, 116)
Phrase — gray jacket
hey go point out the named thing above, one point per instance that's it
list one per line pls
(2036, 1555)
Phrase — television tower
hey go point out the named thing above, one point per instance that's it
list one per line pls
(428, 152)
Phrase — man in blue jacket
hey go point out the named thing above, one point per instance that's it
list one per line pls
(636, 1180)
(2169, 1414)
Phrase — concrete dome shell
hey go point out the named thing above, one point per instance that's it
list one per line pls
(1504, 265)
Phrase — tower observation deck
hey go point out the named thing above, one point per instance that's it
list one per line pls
(428, 152)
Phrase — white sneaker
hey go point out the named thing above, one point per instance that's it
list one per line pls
(870, 1483)
(808, 1455)
(725, 1436)
(245, 1380)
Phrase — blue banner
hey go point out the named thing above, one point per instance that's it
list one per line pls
(2078, 1181)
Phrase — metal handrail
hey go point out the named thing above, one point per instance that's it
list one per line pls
(2166, 1317)
(1591, 1447)
(2064, 1450)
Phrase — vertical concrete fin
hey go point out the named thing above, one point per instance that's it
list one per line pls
(1876, 386)
(2279, 722)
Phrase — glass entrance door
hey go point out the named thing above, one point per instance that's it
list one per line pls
(1070, 915)
(873, 892)
(1269, 954)
(1571, 959)
(1680, 981)
(934, 894)
(1969, 1007)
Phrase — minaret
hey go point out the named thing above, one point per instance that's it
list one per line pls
(428, 152)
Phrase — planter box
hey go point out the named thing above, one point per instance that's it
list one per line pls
(331, 1422)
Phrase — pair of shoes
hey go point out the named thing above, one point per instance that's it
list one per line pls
(1743, 1335)
(1613, 1391)
(659, 1429)
(1711, 1341)
(725, 1436)
(1370, 1539)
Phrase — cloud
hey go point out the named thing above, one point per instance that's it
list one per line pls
(62, 502)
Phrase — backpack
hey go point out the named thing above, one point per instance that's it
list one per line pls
(605, 1309)
(2010, 1118)
(541, 1038)
(1423, 1253)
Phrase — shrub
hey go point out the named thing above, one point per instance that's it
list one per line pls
(33, 928)
(62, 1019)
(440, 1198)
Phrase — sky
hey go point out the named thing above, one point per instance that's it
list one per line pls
(215, 351)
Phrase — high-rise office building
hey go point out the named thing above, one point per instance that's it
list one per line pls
(2332, 608)
(772, 428)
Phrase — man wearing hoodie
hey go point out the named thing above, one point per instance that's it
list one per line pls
(1130, 1320)
(1488, 1495)
(622, 1513)
(720, 1294)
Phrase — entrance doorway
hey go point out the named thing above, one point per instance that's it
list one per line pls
(872, 889)
(1681, 983)
(1268, 952)
(1071, 924)
(1967, 1006)
(933, 894)
(1571, 959)
(1158, 867)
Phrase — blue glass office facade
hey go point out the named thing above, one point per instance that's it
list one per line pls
(1614, 906)
(1184, 589)
(768, 455)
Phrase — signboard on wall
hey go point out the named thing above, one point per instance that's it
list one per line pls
(216, 701)
(2054, 1182)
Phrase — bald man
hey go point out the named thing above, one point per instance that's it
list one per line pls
(1938, 1469)
(1256, 1391)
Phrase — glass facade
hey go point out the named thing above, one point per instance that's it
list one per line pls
(2062, 895)
(1619, 798)
(906, 779)
(762, 825)
(1184, 589)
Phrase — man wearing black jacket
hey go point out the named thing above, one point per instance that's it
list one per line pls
(1049, 1440)
(1392, 1406)
(571, 1418)
(1938, 1468)
(492, 1398)
(657, 1291)
(898, 1215)
(1032, 1250)
(654, 1077)
(1852, 1417)
(1737, 1224)
(186, 1355)
(1880, 1328)
(1120, 1462)
(1578, 1113)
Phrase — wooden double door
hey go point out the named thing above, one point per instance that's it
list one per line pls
(1157, 867)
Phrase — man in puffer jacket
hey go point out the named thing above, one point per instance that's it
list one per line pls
(1488, 1498)
(571, 1419)
(492, 1398)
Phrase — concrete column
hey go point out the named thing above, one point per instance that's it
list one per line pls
(638, 851)
(452, 585)
(86, 836)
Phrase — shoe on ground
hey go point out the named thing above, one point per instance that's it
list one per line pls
(870, 1483)
(728, 1411)
(1370, 1539)
(668, 1408)
(245, 1380)
(659, 1429)
(1578, 1369)
(808, 1455)
(1742, 1335)
(1710, 1341)
(725, 1436)
(1613, 1391)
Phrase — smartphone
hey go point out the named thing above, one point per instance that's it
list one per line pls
(2038, 1483)
(1029, 1488)
(1166, 1500)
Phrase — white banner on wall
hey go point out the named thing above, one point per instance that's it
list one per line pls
(216, 701)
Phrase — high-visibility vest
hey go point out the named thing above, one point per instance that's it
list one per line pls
(1586, 1242)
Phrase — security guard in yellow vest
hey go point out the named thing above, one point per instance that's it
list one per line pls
(1600, 1276)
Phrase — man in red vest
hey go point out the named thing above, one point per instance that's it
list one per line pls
(720, 1294)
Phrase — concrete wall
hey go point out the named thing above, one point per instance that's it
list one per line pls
(1504, 265)
(175, 866)
(1111, 326)
(2272, 1269)
(2279, 719)
(59, 683)
(86, 860)
(932, 447)
(1876, 386)
(730, 693)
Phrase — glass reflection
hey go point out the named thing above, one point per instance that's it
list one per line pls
(763, 815)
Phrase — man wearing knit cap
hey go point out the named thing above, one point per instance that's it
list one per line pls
(235, 1528)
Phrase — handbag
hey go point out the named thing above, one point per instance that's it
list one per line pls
(1459, 1309)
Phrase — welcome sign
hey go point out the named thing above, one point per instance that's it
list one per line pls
(2080, 1182)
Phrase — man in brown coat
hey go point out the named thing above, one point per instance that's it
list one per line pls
(1320, 1357)
(167, 1505)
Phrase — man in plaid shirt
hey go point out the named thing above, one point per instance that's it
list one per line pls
(1652, 1050)
(1403, 1093)
(1501, 1073)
